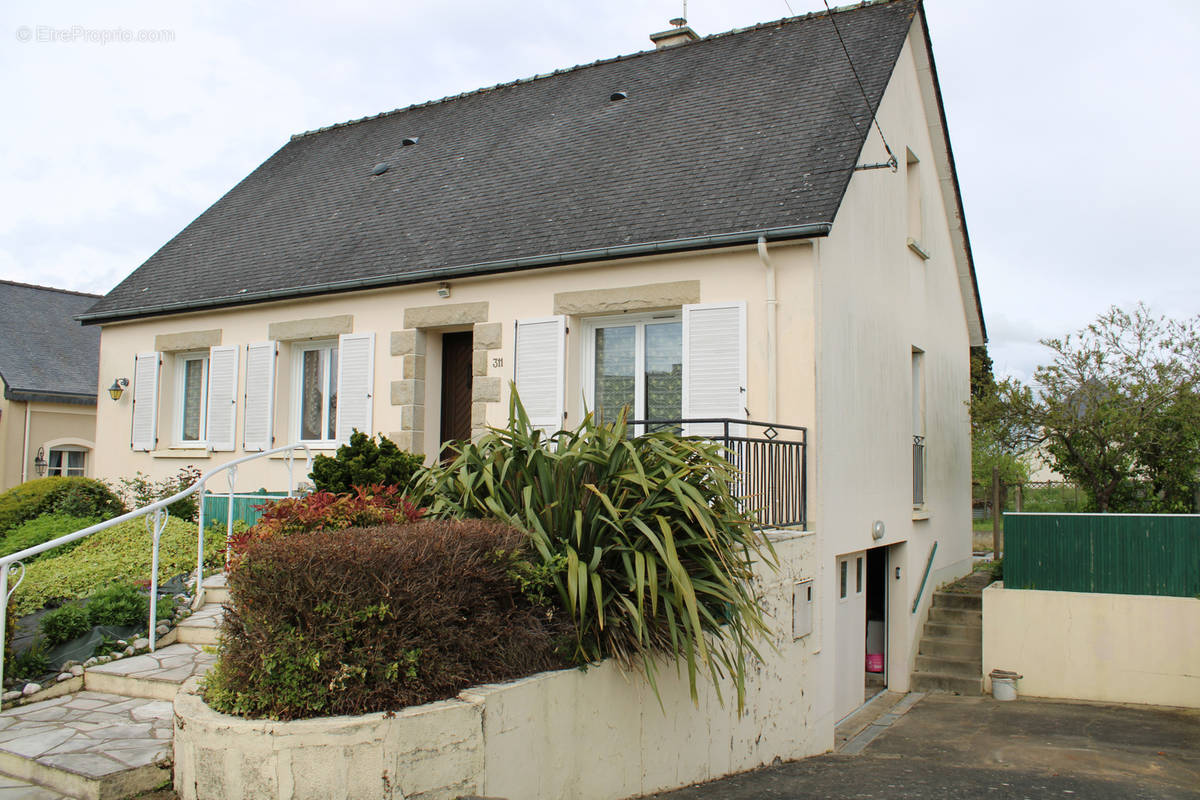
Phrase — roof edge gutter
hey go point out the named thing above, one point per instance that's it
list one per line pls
(33, 396)
(807, 231)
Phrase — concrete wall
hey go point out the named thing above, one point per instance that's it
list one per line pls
(877, 299)
(1108, 647)
(494, 304)
(594, 735)
(49, 425)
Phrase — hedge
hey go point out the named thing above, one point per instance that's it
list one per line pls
(80, 497)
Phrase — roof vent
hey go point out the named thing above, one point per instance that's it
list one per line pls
(380, 169)
(679, 33)
(410, 140)
(615, 96)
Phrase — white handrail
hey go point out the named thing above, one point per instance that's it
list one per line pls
(12, 564)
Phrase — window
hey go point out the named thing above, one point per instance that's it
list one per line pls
(916, 205)
(315, 392)
(635, 362)
(843, 578)
(191, 397)
(67, 461)
(918, 426)
(858, 575)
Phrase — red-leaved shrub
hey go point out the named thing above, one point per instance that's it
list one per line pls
(320, 511)
(375, 619)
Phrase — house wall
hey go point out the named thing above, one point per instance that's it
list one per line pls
(408, 321)
(1113, 648)
(50, 425)
(877, 300)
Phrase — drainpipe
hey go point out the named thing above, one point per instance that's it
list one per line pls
(772, 356)
(25, 447)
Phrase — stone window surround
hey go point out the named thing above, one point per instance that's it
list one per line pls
(409, 346)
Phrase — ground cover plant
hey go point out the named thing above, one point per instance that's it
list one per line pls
(39, 530)
(649, 550)
(120, 554)
(364, 462)
(75, 496)
(358, 620)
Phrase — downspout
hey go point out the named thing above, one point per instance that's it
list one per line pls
(772, 316)
(25, 447)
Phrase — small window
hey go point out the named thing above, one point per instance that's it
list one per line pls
(858, 575)
(67, 462)
(192, 397)
(315, 370)
(916, 203)
(843, 583)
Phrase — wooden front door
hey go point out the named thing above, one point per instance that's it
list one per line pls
(456, 386)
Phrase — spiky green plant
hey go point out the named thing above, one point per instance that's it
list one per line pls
(658, 552)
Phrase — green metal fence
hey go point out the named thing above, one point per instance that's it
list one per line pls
(216, 506)
(1156, 554)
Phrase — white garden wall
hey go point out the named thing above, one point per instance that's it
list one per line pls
(594, 735)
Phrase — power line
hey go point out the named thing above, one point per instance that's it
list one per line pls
(892, 162)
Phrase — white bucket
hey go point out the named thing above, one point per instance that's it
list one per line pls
(1004, 688)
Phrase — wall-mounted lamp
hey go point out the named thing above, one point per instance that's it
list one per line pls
(39, 462)
(118, 388)
(443, 290)
(897, 573)
(877, 530)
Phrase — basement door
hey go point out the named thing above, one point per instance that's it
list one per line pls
(456, 386)
(850, 584)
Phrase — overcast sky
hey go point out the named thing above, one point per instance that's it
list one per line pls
(1073, 123)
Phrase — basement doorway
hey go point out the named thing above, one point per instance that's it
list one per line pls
(456, 388)
(875, 675)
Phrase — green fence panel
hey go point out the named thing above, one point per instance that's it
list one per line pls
(1155, 554)
(216, 506)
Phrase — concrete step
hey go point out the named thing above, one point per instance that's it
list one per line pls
(950, 648)
(936, 682)
(156, 675)
(958, 667)
(90, 745)
(944, 630)
(956, 616)
(216, 590)
(202, 627)
(957, 600)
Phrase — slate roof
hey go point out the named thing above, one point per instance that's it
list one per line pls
(755, 130)
(45, 355)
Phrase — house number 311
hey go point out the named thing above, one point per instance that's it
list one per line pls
(497, 362)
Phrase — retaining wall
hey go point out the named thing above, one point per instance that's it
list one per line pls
(1120, 648)
(598, 734)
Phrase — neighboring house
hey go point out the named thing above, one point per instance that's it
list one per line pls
(707, 229)
(48, 364)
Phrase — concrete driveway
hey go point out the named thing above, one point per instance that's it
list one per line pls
(969, 747)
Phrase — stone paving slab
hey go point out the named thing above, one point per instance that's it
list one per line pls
(216, 581)
(106, 733)
(208, 616)
(173, 664)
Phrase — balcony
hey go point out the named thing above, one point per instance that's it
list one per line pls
(771, 460)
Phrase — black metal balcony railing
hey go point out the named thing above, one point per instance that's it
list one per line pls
(918, 470)
(771, 460)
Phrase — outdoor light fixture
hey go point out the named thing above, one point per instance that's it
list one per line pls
(897, 573)
(39, 462)
(443, 290)
(118, 388)
(877, 530)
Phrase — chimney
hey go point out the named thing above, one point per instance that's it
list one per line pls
(678, 33)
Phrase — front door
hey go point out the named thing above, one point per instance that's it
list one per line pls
(456, 386)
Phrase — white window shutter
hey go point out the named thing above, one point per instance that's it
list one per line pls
(714, 364)
(221, 418)
(259, 414)
(541, 370)
(145, 401)
(356, 372)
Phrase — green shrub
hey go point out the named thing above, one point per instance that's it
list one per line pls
(31, 664)
(33, 532)
(120, 554)
(140, 491)
(658, 553)
(365, 507)
(81, 497)
(118, 604)
(375, 619)
(362, 462)
(64, 624)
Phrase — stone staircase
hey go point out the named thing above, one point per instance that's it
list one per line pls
(112, 739)
(950, 656)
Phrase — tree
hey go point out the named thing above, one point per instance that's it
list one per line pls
(1117, 410)
(993, 443)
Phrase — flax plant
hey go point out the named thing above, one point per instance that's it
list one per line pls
(658, 552)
